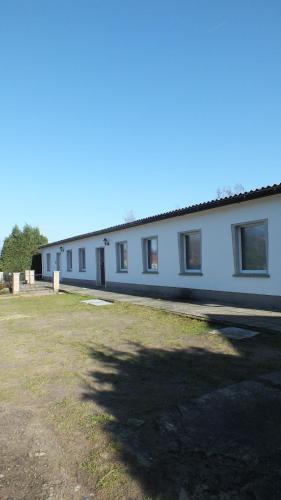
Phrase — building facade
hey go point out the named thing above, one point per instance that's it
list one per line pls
(227, 250)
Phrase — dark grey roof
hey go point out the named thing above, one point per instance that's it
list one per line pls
(200, 207)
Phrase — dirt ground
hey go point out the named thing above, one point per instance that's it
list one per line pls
(123, 402)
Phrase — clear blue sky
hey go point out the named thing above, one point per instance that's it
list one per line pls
(112, 105)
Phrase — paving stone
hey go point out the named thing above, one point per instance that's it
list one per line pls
(97, 302)
(226, 440)
(233, 332)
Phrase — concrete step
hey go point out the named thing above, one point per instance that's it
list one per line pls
(35, 285)
(36, 290)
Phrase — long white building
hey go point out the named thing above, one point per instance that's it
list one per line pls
(227, 250)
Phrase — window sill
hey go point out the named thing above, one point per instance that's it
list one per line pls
(191, 273)
(251, 275)
(82, 270)
(150, 272)
(120, 271)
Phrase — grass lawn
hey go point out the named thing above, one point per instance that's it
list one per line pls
(85, 390)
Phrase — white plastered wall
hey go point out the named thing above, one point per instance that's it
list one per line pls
(217, 250)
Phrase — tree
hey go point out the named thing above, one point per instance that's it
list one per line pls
(227, 191)
(19, 248)
(129, 216)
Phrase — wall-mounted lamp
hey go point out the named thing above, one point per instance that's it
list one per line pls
(61, 249)
(106, 242)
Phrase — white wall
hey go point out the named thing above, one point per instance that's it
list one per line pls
(217, 250)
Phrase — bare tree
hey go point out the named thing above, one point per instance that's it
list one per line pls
(227, 191)
(129, 216)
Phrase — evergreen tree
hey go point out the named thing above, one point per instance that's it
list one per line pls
(19, 248)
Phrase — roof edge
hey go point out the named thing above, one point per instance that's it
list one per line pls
(200, 207)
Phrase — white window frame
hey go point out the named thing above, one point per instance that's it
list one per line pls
(121, 269)
(238, 251)
(81, 268)
(147, 269)
(69, 268)
(48, 262)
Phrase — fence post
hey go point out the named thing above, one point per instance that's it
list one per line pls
(56, 281)
(1, 277)
(15, 283)
(31, 277)
(27, 276)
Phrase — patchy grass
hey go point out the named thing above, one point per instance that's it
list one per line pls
(35, 384)
(91, 376)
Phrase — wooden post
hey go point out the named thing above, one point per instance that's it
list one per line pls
(15, 283)
(56, 281)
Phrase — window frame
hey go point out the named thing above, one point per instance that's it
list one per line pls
(81, 268)
(48, 262)
(184, 270)
(146, 269)
(119, 268)
(238, 250)
(69, 268)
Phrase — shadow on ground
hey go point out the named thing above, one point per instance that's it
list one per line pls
(192, 423)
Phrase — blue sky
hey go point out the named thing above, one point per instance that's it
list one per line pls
(108, 106)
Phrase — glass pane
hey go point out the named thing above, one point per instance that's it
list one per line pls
(69, 259)
(193, 250)
(58, 261)
(253, 246)
(123, 256)
(82, 259)
(152, 254)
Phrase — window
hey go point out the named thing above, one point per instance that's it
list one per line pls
(58, 261)
(150, 254)
(122, 256)
(250, 248)
(190, 252)
(82, 259)
(48, 256)
(69, 260)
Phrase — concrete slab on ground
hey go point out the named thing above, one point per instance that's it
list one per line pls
(230, 439)
(232, 332)
(97, 302)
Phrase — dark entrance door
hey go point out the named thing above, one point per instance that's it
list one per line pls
(37, 265)
(102, 267)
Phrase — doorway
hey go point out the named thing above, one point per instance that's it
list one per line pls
(100, 266)
(37, 265)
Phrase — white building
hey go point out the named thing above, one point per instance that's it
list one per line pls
(227, 250)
